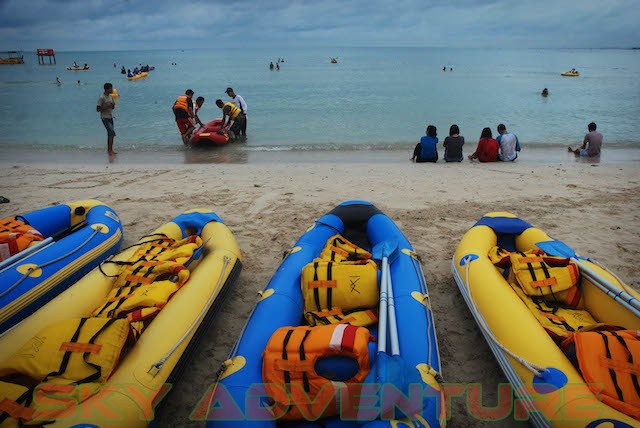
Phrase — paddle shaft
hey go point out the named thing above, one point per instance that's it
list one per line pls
(24, 253)
(382, 320)
(629, 301)
(393, 324)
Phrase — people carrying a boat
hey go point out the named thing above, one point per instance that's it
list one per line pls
(425, 150)
(183, 111)
(232, 118)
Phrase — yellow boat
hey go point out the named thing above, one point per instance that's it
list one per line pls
(138, 76)
(143, 371)
(570, 74)
(552, 390)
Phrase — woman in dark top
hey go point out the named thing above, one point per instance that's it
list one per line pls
(453, 145)
(425, 150)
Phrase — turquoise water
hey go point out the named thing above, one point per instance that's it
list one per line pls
(379, 98)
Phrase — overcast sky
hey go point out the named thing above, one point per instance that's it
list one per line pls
(175, 24)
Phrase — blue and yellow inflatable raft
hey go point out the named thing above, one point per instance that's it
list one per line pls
(308, 350)
(563, 328)
(76, 237)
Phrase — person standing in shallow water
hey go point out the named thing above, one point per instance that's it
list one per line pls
(105, 107)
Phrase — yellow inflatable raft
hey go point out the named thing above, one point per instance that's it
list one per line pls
(533, 298)
(106, 351)
(138, 76)
(570, 74)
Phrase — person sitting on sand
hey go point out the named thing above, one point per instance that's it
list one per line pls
(488, 148)
(591, 144)
(425, 150)
(453, 145)
(509, 144)
(545, 92)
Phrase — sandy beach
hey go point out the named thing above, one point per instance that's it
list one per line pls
(593, 207)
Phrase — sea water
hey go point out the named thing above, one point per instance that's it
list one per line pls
(373, 99)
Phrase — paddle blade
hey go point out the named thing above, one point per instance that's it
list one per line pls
(556, 248)
(388, 249)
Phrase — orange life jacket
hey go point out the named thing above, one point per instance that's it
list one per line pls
(181, 103)
(16, 236)
(289, 374)
(610, 365)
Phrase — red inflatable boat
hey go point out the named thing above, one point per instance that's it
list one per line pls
(209, 134)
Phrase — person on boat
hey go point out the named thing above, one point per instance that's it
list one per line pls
(129, 73)
(123, 71)
(509, 144)
(195, 120)
(591, 144)
(75, 64)
(425, 150)
(271, 65)
(453, 145)
(136, 70)
(105, 107)
(183, 111)
(231, 113)
(242, 105)
(86, 66)
(573, 71)
(488, 148)
(545, 92)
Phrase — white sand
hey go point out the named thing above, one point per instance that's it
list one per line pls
(594, 208)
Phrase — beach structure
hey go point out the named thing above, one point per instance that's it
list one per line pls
(44, 53)
(13, 57)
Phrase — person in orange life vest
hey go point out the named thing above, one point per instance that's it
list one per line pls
(183, 110)
(233, 113)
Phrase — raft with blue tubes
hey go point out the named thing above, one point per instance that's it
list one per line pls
(240, 397)
(570, 344)
(77, 237)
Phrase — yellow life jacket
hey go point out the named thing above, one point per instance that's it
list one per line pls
(553, 278)
(148, 280)
(16, 236)
(235, 110)
(558, 321)
(289, 369)
(341, 286)
(181, 103)
(59, 359)
(609, 362)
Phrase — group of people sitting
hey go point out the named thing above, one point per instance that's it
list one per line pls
(136, 70)
(504, 147)
(234, 114)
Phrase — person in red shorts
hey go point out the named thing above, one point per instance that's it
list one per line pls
(183, 110)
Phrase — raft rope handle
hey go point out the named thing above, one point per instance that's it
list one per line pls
(31, 269)
(534, 368)
(157, 366)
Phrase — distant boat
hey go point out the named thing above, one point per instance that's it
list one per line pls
(78, 68)
(15, 57)
(334, 60)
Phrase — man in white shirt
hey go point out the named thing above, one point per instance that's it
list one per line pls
(242, 105)
(509, 144)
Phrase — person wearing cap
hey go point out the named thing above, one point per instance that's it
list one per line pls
(242, 105)
(183, 111)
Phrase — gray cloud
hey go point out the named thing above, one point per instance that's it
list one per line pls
(122, 24)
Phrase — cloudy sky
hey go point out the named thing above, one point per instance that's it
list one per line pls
(173, 24)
